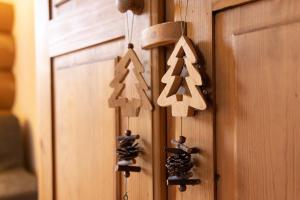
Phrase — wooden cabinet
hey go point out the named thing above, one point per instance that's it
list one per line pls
(78, 44)
(257, 87)
(248, 136)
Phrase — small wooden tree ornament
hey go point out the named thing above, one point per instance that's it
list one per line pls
(183, 105)
(130, 108)
(179, 164)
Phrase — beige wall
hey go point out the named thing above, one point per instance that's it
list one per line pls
(24, 70)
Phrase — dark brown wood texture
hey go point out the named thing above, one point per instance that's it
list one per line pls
(136, 6)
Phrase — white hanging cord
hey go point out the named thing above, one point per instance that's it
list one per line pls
(129, 30)
(125, 197)
(183, 23)
(181, 126)
(128, 123)
(183, 28)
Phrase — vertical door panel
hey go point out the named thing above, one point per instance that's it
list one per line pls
(85, 130)
(199, 128)
(77, 43)
(268, 111)
(257, 87)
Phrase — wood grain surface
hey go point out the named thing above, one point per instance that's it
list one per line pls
(198, 129)
(7, 90)
(257, 87)
(6, 17)
(7, 51)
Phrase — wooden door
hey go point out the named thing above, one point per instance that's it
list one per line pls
(257, 95)
(78, 43)
(199, 129)
(248, 136)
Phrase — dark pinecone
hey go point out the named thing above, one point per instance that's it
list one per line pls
(127, 148)
(179, 165)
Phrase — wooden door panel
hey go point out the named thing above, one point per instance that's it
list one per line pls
(223, 4)
(64, 7)
(198, 129)
(268, 112)
(71, 31)
(85, 131)
(257, 87)
(77, 38)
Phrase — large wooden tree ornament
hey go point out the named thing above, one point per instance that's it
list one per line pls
(183, 104)
(129, 107)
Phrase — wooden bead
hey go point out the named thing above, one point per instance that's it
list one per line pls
(136, 6)
(128, 132)
(127, 174)
(130, 46)
(182, 139)
(182, 188)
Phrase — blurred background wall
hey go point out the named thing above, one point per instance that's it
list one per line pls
(24, 69)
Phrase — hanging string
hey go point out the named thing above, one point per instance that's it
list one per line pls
(183, 22)
(128, 123)
(125, 197)
(129, 40)
(181, 126)
(183, 28)
(129, 30)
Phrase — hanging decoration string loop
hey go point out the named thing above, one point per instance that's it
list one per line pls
(125, 196)
(129, 30)
(183, 22)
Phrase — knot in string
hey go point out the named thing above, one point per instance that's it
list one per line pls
(125, 196)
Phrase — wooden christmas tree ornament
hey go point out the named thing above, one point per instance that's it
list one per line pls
(183, 105)
(130, 108)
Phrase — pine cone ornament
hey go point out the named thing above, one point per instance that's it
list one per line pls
(179, 164)
(127, 151)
